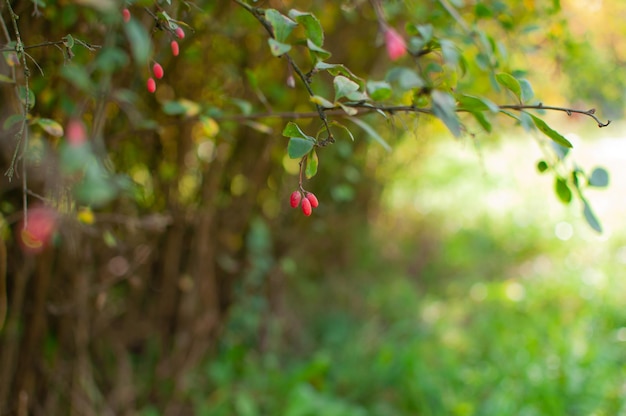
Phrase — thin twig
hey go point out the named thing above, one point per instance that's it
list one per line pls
(455, 15)
(569, 111)
(22, 135)
(370, 108)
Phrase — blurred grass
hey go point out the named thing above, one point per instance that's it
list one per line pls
(476, 293)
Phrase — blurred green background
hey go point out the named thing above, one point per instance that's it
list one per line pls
(470, 292)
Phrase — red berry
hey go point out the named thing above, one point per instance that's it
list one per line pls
(151, 84)
(396, 46)
(35, 235)
(295, 199)
(175, 49)
(157, 69)
(180, 32)
(126, 15)
(75, 132)
(306, 207)
(312, 199)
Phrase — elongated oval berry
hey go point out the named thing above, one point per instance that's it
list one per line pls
(306, 207)
(175, 49)
(126, 15)
(312, 199)
(157, 70)
(151, 84)
(396, 46)
(36, 235)
(75, 132)
(180, 32)
(295, 199)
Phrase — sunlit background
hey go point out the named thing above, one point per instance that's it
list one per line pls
(475, 291)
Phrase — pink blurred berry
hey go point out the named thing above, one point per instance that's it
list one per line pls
(151, 84)
(75, 132)
(126, 15)
(157, 70)
(35, 234)
(175, 48)
(312, 199)
(396, 47)
(306, 207)
(295, 199)
(180, 32)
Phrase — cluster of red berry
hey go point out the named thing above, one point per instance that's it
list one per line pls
(308, 202)
(157, 69)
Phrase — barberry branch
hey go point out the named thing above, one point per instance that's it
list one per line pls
(321, 111)
(22, 134)
(569, 111)
(370, 108)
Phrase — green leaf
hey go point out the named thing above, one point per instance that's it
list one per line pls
(50, 126)
(344, 87)
(526, 121)
(319, 100)
(335, 69)
(555, 136)
(181, 107)
(482, 120)
(560, 151)
(341, 126)
(450, 52)
(281, 24)
(482, 11)
(562, 190)
(318, 52)
(312, 26)
(351, 111)
(444, 108)
(68, 41)
(78, 76)
(527, 90)
(511, 83)
(542, 166)
(23, 93)
(95, 190)
(472, 103)
(4, 78)
(12, 120)
(252, 78)
(260, 127)
(298, 147)
(139, 40)
(243, 105)
(590, 217)
(371, 132)
(599, 178)
(74, 158)
(406, 78)
(278, 48)
(293, 130)
(379, 90)
(311, 164)
(426, 32)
